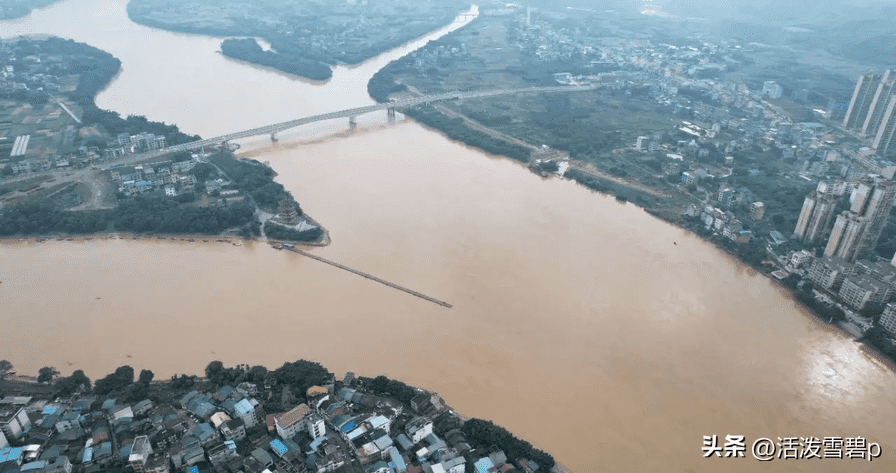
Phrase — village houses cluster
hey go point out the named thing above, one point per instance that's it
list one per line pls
(228, 431)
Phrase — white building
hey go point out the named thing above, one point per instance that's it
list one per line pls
(800, 258)
(888, 319)
(418, 428)
(639, 144)
(14, 420)
(249, 410)
(298, 419)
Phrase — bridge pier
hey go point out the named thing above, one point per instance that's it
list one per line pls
(273, 136)
(352, 122)
(390, 113)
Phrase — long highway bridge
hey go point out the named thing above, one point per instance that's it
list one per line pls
(390, 107)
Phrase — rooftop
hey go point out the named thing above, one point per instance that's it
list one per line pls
(295, 415)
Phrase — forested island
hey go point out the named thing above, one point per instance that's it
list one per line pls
(249, 50)
(181, 193)
(10, 9)
(306, 37)
(319, 422)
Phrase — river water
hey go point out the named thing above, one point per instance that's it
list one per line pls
(602, 335)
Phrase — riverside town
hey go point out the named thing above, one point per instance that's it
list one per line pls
(549, 236)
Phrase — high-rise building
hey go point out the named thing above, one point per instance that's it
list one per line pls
(876, 212)
(859, 196)
(871, 110)
(883, 143)
(845, 236)
(857, 230)
(815, 217)
(865, 96)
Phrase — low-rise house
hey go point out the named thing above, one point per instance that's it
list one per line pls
(263, 457)
(233, 429)
(299, 418)
(250, 411)
(14, 420)
(142, 407)
(418, 428)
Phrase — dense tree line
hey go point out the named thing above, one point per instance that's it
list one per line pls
(279, 232)
(385, 386)
(121, 378)
(154, 214)
(456, 129)
(301, 375)
(162, 215)
(483, 434)
(249, 50)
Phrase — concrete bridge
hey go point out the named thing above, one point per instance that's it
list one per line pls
(352, 113)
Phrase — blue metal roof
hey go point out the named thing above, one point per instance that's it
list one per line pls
(10, 454)
(88, 455)
(38, 465)
(483, 465)
(194, 469)
(243, 407)
(278, 447)
(348, 427)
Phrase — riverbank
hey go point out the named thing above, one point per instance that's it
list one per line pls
(823, 320)
(234, 240)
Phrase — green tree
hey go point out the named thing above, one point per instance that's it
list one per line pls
(146, 377)
(46, 374)
(121, 378)
(256, 374)
(214, 371)
(71, 384)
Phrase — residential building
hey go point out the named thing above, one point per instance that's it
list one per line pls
(815, 216)
(688, 178)
(233, 430)
(418, 428)
(871, 92)
(888, 319)
(828, 272)
(140, 453)
(876, 212)
(883, 143)
(157, 464)
(250, 411)
(800, 258)
(14, 420)
(299, 418)
(757, 211)
(484, 465)
(845, 236)
(865, 294)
